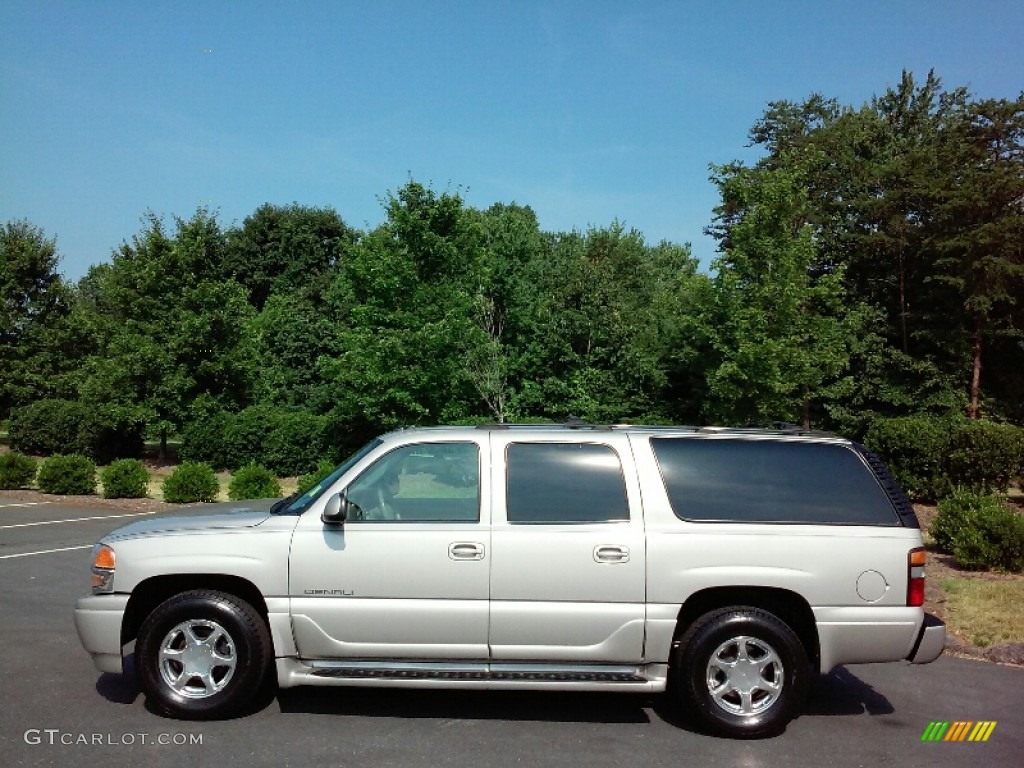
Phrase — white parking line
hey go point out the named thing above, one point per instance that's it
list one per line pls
(25, 504)
(45, 552)
(73, 520)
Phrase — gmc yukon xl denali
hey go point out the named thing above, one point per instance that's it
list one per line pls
(724, 566)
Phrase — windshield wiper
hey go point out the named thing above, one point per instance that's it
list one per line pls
(281, 504)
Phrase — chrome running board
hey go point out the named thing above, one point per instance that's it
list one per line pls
(454, 674)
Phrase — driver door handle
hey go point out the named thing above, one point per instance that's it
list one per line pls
(611, 553)
(466, 550)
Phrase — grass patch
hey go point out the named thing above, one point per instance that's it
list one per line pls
(985, 612)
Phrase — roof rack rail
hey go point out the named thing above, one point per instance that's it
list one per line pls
(575, 423)
(571, 422)
(783, 426)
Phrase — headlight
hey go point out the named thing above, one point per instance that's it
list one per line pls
(103, 564)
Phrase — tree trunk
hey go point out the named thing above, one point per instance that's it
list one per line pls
(162, 453)
(973, 407)
(807, 410)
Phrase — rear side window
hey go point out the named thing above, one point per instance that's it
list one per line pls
(767, 481)
(564, 483)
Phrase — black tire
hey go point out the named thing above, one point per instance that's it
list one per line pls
(209, 627)
(771, 668)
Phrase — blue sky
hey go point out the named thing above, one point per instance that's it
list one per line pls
(588, 111)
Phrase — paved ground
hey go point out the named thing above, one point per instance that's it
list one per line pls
(53, 704)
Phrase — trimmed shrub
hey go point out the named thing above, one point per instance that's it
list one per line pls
(254, 482)
(247, 433)
(984, 455)
(125, 479)
(286, 442)
(323, 469)
(16, 471)
(980, 531)
(59, 427)
(113, 432)
(192, 481)
(205, 439)
(48, 427)
(296, 443)
(914, 449)
(71, 475)
(931, 455)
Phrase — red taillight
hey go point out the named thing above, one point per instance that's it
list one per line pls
(915, 577)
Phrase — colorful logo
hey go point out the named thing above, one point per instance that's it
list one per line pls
(958, 730)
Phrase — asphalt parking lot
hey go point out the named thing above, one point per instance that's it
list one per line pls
(57, 710)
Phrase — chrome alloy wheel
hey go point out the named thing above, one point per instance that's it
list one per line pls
(197, 658)
(745, 676)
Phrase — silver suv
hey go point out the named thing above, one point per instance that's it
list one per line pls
(724, 566)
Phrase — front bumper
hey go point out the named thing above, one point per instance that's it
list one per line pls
(98, 620)
(930, 641)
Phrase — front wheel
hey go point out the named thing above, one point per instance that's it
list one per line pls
(742, 671)
(202, 654)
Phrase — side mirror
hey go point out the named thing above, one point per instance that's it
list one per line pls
(336, 510)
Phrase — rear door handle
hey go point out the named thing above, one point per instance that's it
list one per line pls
(611, 553)
(466, 550)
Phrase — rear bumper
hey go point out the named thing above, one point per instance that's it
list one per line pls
(864, 635)
(98, 621)
(930, 641)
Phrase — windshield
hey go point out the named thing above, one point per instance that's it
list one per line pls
(302, 503)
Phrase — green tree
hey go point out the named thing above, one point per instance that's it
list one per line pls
(34, 305)
(781, 333)
(979, 231)
(601, 318)
(512, 240)
(168, 329)
(403, 302)
(286, 250)
(915, 195)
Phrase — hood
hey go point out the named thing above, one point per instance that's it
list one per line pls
(231, 515)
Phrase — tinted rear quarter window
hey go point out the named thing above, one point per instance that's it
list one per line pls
(564, 483)
(770, 481)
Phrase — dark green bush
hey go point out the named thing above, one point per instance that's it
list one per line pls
(48, 427)
(125, 479)
(67, 475)
(254, 482)
(296, 443)
(933, 455)
(101, 431)
(980, 531)
(113, 432)
(246, 435)
(323, 469)
(190, 482)
(16, 471)
(285, 441)
(204, 439)
(914, 448)
(984, 455)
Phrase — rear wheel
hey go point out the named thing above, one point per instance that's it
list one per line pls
(742, 671)
(202, 654)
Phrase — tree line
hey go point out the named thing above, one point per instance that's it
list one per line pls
(869, 266)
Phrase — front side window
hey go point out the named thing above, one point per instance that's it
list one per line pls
(424, 482)
(564, 483)
(303, 502)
